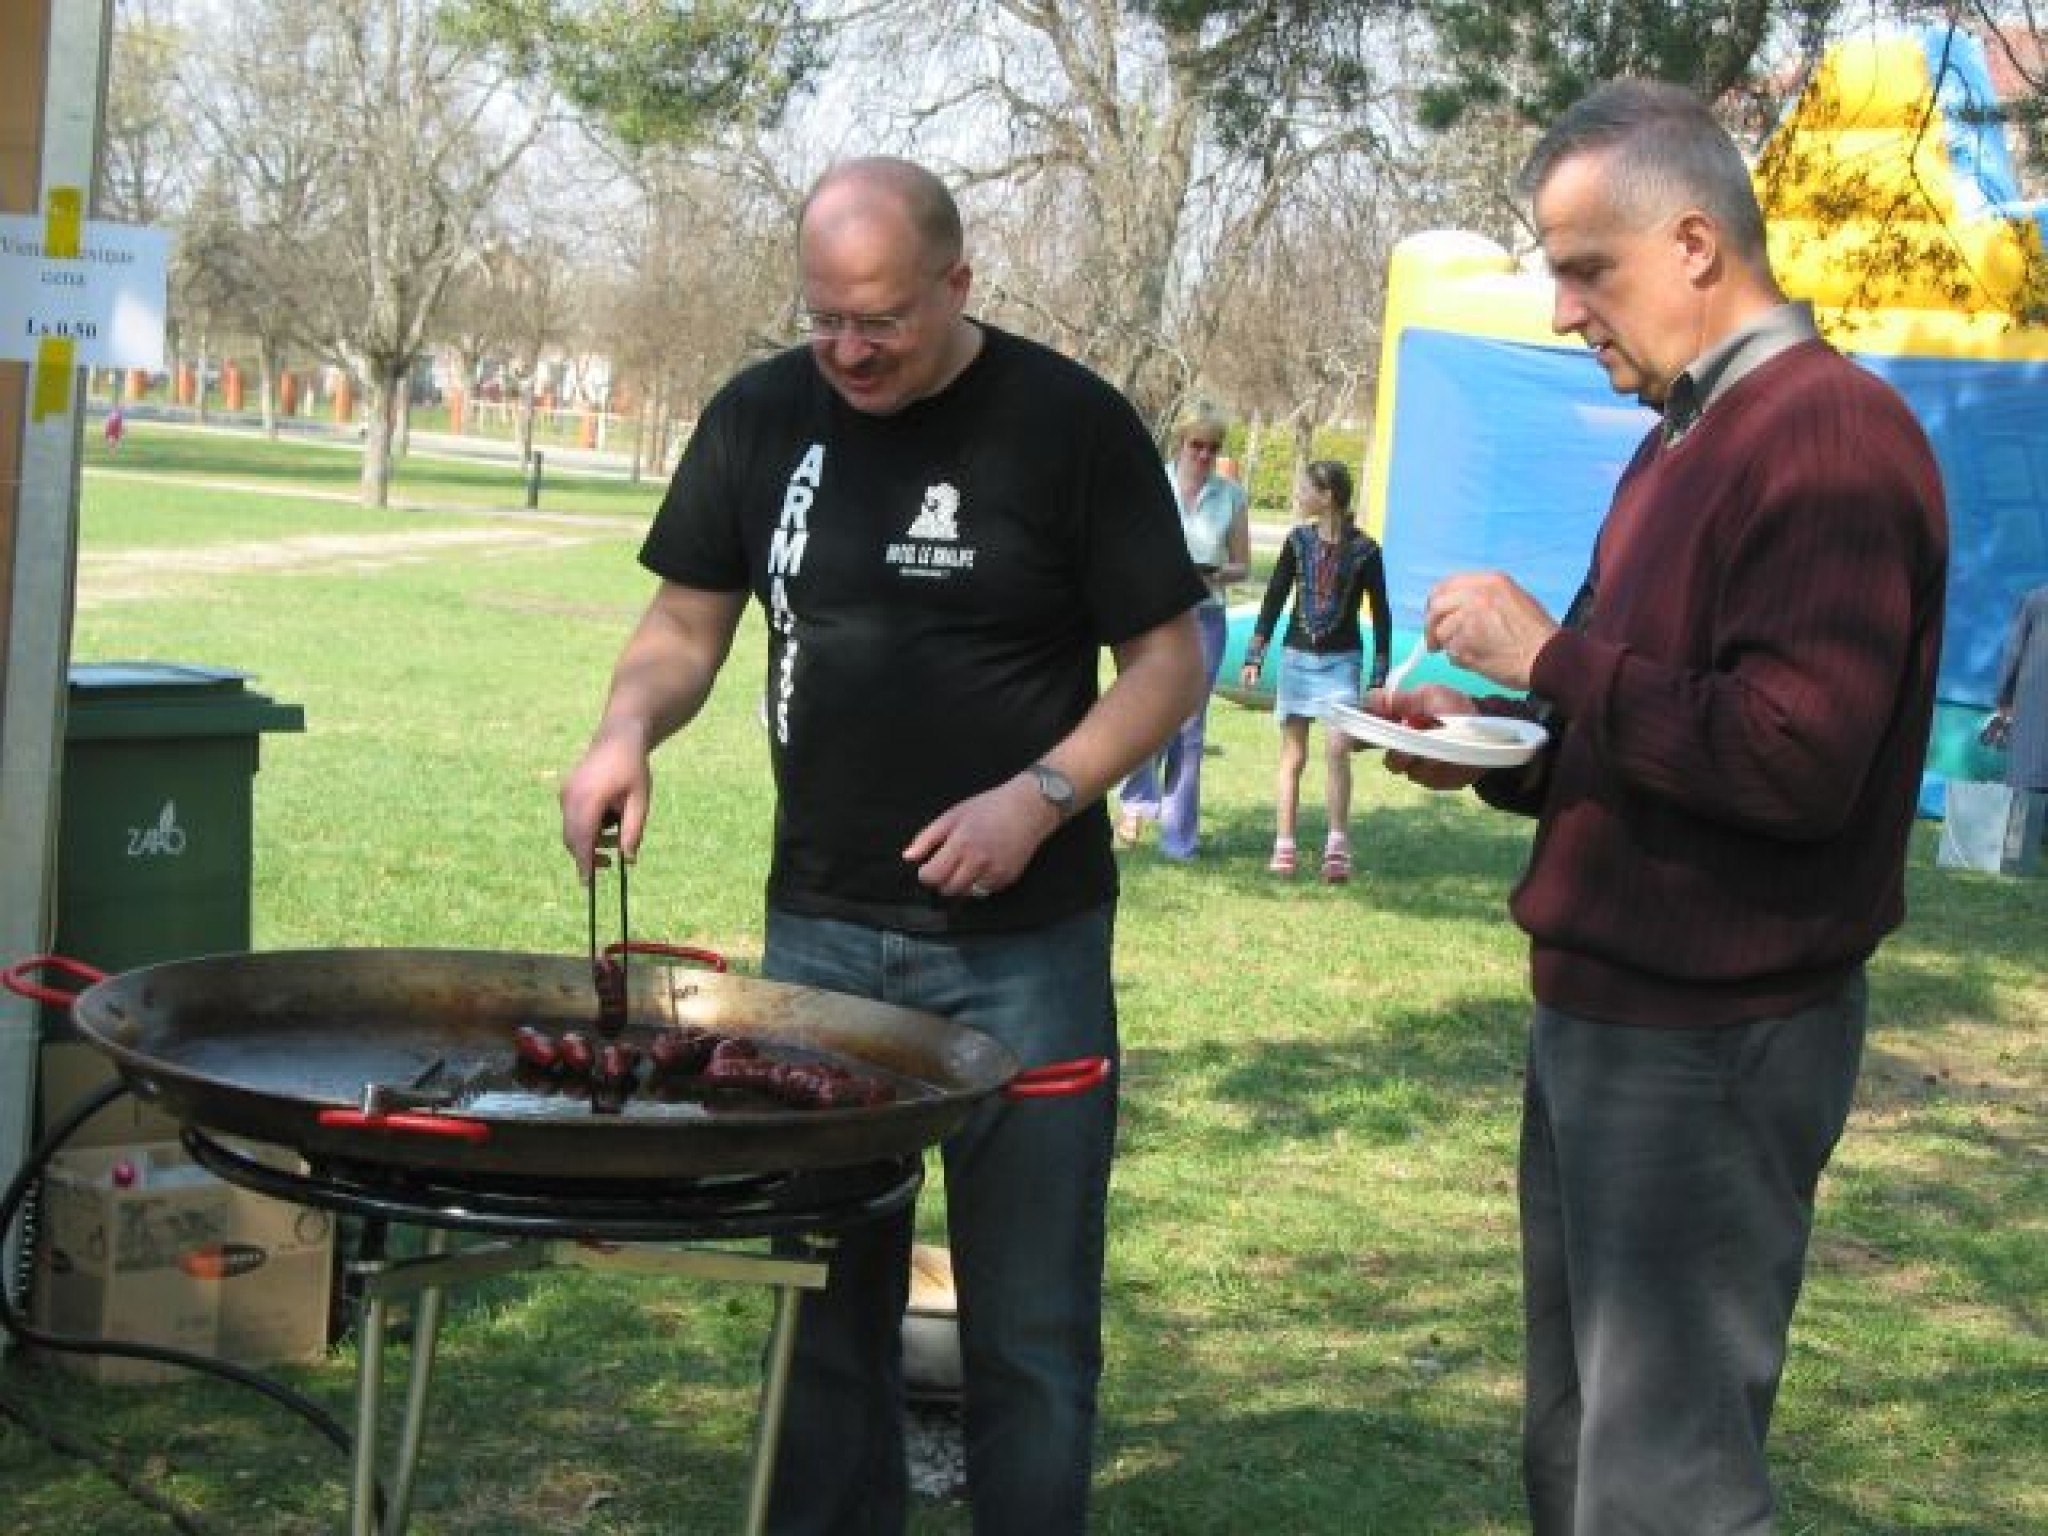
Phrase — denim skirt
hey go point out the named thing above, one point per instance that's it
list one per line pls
(1310, 682)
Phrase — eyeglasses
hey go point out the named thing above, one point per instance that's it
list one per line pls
(1203, 445)
(825, 325)
(876, 330)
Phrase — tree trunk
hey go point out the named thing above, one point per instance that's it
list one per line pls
(266, 384)
(526, 420)
(636, 449)
(1304, 439)
(385, 383)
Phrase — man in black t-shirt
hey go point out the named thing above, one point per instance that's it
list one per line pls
(944, 525)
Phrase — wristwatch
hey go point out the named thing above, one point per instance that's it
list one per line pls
(1056, 788)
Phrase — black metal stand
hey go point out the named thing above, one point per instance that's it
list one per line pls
(593, 1226)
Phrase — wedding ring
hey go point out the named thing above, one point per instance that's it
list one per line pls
(979, 891)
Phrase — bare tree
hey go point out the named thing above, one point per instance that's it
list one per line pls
(1162, 140)
(701, 286)
(365, 147)
(143, 144)
(429, 132)
(256, 236)
(1299, 344)
(531, 275)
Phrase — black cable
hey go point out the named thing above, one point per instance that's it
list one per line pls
(140, 1492)
(11, 1205)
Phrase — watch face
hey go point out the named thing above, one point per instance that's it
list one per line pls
(1054, 785)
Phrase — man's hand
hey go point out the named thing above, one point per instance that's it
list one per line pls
(613, 779)
(1429, 699)
(1487, 624)
(982, 845)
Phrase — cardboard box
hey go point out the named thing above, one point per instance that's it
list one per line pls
(278, 1278)
(71, 1069)
(140, 1243)
(119, 1229)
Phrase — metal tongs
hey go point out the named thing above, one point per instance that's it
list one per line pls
(608, 964)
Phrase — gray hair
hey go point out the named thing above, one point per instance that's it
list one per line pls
(1666, 152)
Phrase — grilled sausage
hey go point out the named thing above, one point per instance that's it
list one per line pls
(682, 1051)
(609, 974)
(617, 1062)
(536, 1049)
(576, 1053)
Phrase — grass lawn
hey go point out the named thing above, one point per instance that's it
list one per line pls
(1313, 1286)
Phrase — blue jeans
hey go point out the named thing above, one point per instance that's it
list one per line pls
(1667, 1189)
(1168, 789)
(1027, 1186)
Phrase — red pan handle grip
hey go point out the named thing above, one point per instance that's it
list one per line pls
(1059, 1079)
(454, 1127)
(18, 978)
(710, 959)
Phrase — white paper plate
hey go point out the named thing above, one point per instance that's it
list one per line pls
(1477, 741)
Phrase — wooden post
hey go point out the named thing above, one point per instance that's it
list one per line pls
(52, 86)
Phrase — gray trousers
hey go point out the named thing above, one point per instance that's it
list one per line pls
(1667, 1186)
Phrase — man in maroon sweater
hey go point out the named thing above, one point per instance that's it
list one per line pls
(1738, 705)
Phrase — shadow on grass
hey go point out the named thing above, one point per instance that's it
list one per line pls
(1433, 856)
(1387, 1460)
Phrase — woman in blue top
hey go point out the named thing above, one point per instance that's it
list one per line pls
(1216, 520)
(1333, 568)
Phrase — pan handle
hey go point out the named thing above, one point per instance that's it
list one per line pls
(17, 978)
(454, 1127)
(1059, 1079)
(710, 959)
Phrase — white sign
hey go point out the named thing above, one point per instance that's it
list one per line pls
(107, 301)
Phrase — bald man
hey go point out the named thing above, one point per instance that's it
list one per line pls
(944, 525)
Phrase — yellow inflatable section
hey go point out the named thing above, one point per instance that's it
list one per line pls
(1887, 185)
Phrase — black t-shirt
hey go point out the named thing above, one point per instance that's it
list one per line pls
(938, 585)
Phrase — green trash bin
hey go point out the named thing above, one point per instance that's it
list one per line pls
(155, 843)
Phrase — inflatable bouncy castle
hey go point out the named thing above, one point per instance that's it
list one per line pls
(1893, 208)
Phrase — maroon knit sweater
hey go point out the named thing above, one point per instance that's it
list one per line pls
(1724, 817)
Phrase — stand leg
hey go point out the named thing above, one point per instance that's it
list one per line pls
(426, 1335)
(362, 1487)
(774, 1391)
